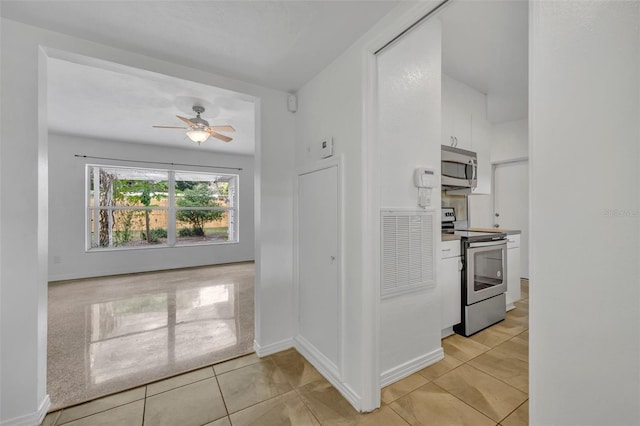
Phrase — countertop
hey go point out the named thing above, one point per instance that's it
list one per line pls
(453, 237)
(450, 237)
(506, 231)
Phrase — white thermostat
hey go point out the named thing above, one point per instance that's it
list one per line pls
(326, 147)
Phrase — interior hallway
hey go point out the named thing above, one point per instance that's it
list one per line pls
(483, 380)
(110, 334)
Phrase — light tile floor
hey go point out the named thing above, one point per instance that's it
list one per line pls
(108, 334)
(482, 380)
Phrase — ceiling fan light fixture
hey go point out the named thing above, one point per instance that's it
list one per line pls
(198, 135)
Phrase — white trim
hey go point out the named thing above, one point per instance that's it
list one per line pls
(30, 419)
(317, 358)
(329, 370)
(370, 238)
(272, 348)
(510, 160)
(408, 368)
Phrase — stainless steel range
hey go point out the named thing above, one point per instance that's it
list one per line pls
(484, 277)
(484, 280)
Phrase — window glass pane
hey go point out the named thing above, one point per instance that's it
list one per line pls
(202, 226)
(128, 187)
(204, 189)
(128, 228)
(129, 207)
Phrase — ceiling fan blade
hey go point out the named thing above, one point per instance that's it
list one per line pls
(170, 127)
(226, 128)
(219, 136)
(186, 120)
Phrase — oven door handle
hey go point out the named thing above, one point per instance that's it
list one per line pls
(488, 243)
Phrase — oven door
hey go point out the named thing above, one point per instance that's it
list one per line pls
(486, 274)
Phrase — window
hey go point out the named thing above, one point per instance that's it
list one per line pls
(135, 207)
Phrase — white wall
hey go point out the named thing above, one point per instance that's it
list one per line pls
(334, 104)
(67, 255)
(330, 105)
(24, 207)
(409, 134)
(584, 293)
(510, 140)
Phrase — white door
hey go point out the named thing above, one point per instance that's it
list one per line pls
(318, 284)
(511, 204)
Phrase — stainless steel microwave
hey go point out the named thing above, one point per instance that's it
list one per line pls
(459, 168)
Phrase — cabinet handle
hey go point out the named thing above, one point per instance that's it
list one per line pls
(446, 249)
(455, 140)
(451, 139)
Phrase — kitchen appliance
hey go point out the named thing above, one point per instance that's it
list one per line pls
(448, 220)
(484, 280)
(459, 168)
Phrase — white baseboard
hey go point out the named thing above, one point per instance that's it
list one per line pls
(510, 306)
(272, 348)
(406, 369)
(328, 369)
(31, 419)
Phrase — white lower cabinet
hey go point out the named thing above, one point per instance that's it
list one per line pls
(449, 278)
(513, 270)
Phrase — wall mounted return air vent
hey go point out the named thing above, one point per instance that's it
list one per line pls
(408, 252)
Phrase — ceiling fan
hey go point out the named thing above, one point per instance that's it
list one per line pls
(199, 129)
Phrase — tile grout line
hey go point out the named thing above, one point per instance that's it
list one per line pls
(399, 414)
(465, 402)
(226, 409)
(144, 406)
(307, 405)
(499, 379)
(515, 409)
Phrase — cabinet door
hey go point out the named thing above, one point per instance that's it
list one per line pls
(484, 174)
(451, 291)
(447, 121)
(513, 276)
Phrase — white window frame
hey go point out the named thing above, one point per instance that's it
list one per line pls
(232, 210)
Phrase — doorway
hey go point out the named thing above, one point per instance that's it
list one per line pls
(115, 324)
(510, 207)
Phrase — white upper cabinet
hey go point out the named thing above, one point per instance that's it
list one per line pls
(456, 125)
(465, 125)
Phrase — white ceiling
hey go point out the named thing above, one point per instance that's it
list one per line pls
(277, 44)
(485, 45)
(122, 104)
